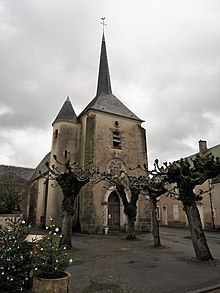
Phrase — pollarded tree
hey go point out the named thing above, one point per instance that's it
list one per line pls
(149, 184)
(186, 174)
(71, 181)
(130, 207)
(154, 186)
(125, 184)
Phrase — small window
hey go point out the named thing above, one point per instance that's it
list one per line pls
(56, 133)
(176, 216)
(65, 154)
(116, 139)
(158, 213)
(116, 123)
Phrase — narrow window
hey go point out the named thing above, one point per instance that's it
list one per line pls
(158, 213)
(176, 216)
(65, 155)
(56, 133)
(116, 139)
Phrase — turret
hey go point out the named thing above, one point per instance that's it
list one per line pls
(66, 133)
(65, 145)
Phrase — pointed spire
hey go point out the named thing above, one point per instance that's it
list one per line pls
(104, 100)
(104, 82)
(66, 113)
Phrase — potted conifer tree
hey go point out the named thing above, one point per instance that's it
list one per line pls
(50, 262)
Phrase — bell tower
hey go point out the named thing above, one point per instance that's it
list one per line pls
(113, 138)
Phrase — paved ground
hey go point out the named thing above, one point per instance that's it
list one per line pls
(110, 263)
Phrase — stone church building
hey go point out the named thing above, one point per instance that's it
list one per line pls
(107, 133)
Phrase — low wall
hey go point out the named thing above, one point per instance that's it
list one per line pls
(3, 218)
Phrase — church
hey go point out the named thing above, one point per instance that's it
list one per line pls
(110, 135)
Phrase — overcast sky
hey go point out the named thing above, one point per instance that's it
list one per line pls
(164, 59)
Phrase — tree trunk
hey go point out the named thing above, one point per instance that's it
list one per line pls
(154, 223)
(197, 234)
(66, 229)
(131, 232)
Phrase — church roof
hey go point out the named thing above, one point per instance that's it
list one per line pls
(66, 113)
(104, 100)
(109, 104)
(41, 168)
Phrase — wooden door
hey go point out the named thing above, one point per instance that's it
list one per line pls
(113, 212)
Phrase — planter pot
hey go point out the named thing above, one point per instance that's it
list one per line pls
(60, 285)
(106, 230)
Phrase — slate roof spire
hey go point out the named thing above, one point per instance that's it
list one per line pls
(104, 82)
(66, 113)
(105, 101)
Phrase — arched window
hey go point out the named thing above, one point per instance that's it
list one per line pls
(113, 197)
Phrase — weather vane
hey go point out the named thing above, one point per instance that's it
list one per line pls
(103, 23)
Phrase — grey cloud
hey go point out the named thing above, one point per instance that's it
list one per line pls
(163, 57)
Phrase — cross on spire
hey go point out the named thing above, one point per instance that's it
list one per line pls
(103, 23)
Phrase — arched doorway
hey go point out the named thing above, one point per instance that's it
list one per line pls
(113, 212)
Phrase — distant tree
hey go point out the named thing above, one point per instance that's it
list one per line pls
(32, 203)
(71, 181)
(186, 174)
(14, 191)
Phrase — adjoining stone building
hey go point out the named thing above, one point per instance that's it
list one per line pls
(170, 210)
(110, 135)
